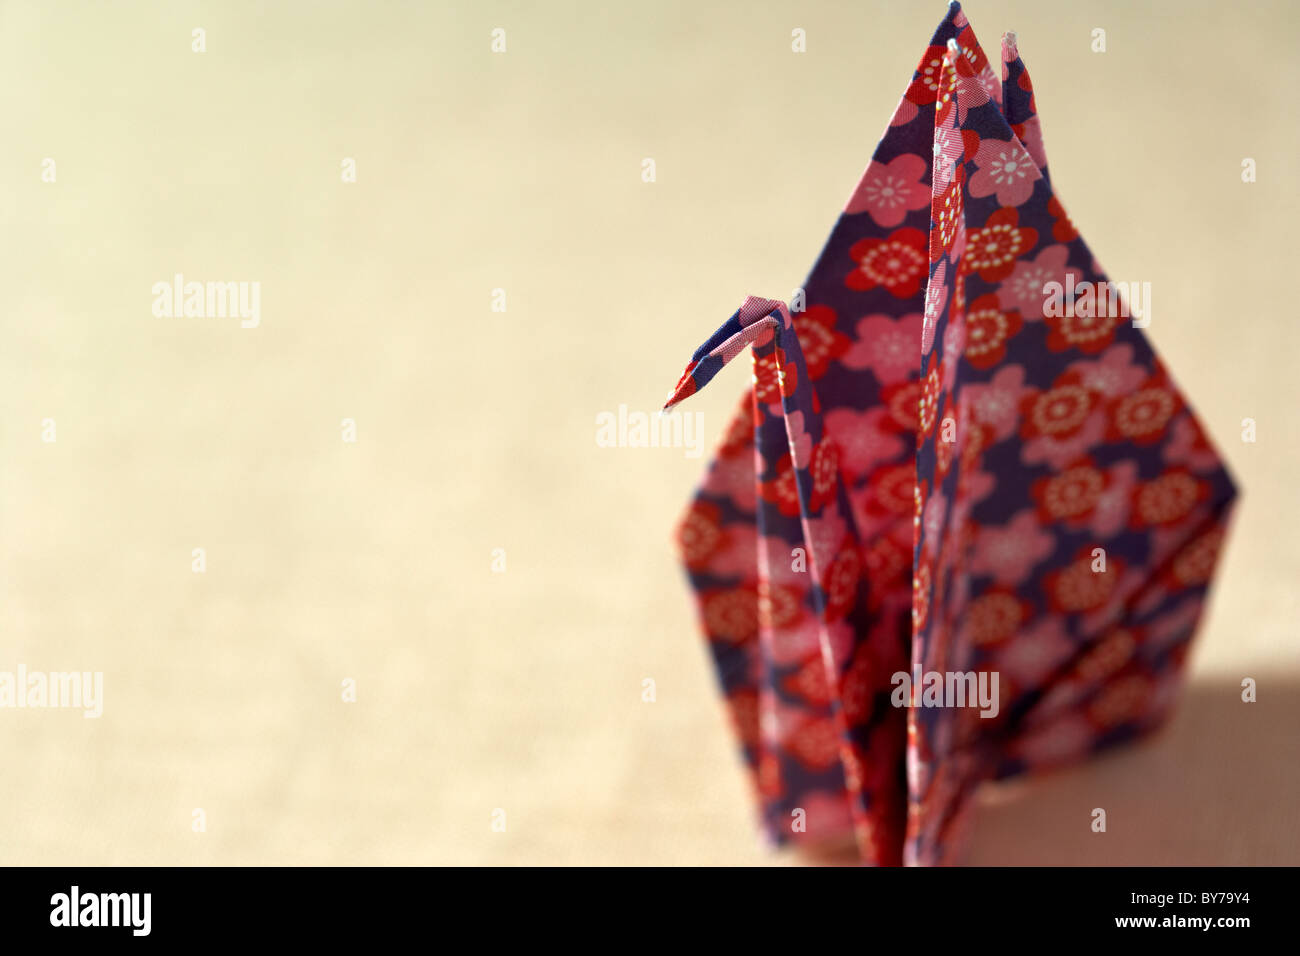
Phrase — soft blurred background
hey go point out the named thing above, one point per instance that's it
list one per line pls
(373, 561)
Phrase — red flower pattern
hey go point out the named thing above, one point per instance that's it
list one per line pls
(1031, 499)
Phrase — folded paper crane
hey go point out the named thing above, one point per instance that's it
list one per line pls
(964, 522)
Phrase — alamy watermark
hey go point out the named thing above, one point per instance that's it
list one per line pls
(676, 429)
(947, 689)
(208, 300)
(1088, 300)
(73, 690)
(128, 910)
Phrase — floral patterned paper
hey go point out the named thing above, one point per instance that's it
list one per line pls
(922, 476)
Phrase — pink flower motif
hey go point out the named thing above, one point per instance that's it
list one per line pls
(737, 476)
(890, 348)
(1036, 652)
(979, 485)
(948, 147)
(1111, 511)
(1031, 136)
(795, 643)
(1113, 373)
(1057, 743)
(826, 815)
(777, 562)
(1064, 696)
(888, 191)
(918, 771)
(954, 344)
(733, 477)
(737, 555)
(825, 538)
(1189, 447)
(936, 297)
(1010, 552)
(841, 638)
(800, 441)
(997, 404)
(1005, 168)
(1023, 289)
(966, 88)
(1059, 452)
(863, 439)
(991, 84)
(789, 719)
(932, 521)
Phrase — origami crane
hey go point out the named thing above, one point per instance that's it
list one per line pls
(960, 458)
